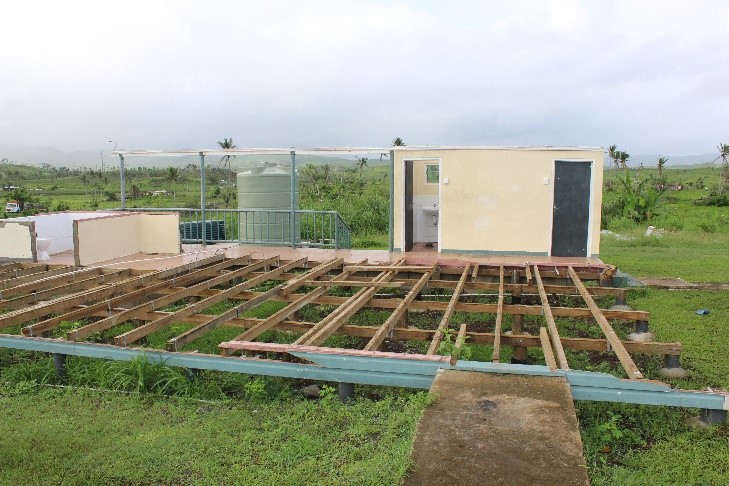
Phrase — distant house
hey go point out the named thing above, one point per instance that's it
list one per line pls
(498, 200)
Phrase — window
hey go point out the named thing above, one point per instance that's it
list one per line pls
(431, 174)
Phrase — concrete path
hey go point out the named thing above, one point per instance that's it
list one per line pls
(488, 428)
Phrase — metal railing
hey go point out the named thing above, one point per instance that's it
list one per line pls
(312, 229)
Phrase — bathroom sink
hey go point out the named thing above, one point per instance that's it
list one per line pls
(431, 210)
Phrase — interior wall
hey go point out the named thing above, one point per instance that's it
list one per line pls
(17, 242)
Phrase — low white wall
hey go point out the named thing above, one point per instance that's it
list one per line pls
(159, 233)
(17, 241)
(59, 227)
(122, 234)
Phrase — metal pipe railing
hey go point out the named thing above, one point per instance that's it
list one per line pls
(310, 228)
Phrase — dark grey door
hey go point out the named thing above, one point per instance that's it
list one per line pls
(571, 211)
(408, 205)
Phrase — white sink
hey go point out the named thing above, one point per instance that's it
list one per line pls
(431, 210)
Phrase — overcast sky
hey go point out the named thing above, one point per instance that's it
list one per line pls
(651, 77)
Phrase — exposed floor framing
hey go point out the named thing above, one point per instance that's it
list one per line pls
(384, 324)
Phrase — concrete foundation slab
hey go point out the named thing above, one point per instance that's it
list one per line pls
(498, 429)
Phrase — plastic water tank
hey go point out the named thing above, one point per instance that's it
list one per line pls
(265, 188)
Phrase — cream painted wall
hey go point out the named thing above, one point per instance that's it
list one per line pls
(105, 238)
(125, 234)
(159, 233)
(16, 241)
(420, 186)
(496, 199)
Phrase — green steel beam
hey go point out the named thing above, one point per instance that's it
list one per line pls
(253, 366)
(409, 373)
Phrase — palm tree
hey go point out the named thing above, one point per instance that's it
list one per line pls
(661, 162)
(172, 176)
(361, 164)
(227, 144)
(622, 157)
(724, 156)
(398, 142)
(612, 150)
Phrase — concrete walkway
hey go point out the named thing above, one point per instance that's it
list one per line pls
(498, 429)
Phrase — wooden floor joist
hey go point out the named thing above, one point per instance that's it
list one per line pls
(551, 325)
(132, 313)
(328, 326)
(628, 364)
(496, 355)
(138, 333)
(106, 298)
(446, 319)
(399, 311)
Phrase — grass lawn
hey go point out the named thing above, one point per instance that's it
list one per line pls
(87, 437)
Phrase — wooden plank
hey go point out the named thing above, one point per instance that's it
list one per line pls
(385, 268)
(202, 329)
(353, 283)
(132, 313)
(287, 311)
(136, 334)
(551, 325)
(68, 289)
(56, 281)
(625, 360)
(547, 349)
(496, 354)
(62, 304)
(445, 320)
(32, 276)
(78, 313)
(474, 276)
(529, 310)
(328, 326)
(312, 274)
(460, 339)
(528, 273)
(385, 329)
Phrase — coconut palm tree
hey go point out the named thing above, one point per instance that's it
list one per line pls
(227, 144)
(661, 163)
(622, 158)
(724, 156)
(398, 142)
(612, 150)
(172, 176)
(361, 164)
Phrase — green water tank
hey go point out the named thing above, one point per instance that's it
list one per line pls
(266, 192)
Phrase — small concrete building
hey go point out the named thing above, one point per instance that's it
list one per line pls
(498, 200)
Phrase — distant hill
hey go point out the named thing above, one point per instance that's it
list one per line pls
(21, 154)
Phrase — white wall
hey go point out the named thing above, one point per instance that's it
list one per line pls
(16, 240)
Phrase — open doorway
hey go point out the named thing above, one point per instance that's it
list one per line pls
(422, 204)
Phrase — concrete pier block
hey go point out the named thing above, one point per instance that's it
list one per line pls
(641, 333)
(59, 363)
(672, 368)
(345, 392)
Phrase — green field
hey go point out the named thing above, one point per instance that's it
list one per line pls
(220, 428)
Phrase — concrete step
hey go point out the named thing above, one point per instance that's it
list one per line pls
(486, 428)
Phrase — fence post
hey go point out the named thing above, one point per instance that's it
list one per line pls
(202, 195)
(336, 231)
(293, 199)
